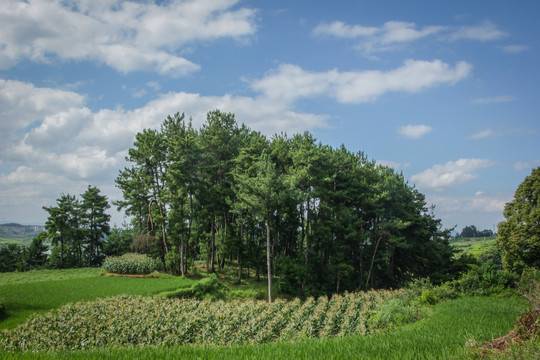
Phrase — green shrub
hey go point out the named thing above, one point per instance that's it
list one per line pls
(131, 264)
(393, 313)
(2, 309)
(428, 297)
(207, 288)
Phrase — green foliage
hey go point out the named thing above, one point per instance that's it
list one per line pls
(139, 321)
(207, 288)
(519, 236)
(2, 309)
(392, 314)
(324, 220)
(131, 264)
(486, 279)
(118, 242)
(11, 258)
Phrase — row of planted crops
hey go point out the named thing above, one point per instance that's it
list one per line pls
(139, 321)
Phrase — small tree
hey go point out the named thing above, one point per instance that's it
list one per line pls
(519, 236)
(36, 255)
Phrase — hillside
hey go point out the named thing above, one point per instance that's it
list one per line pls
(13, 233)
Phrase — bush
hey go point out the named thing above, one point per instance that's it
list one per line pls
(207, 288)
(131, 264)
(393, 313)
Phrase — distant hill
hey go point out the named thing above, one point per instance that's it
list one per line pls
(13, 233)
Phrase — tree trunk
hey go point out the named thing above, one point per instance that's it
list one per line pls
(373, 261)
(268, 262)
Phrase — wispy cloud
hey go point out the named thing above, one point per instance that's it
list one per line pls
(414, 131)
(482, 134)
(494, 99)
(526, 165)
(514, 49)
(394, 165)
(486, 31)
(452, 173)
(392, 34)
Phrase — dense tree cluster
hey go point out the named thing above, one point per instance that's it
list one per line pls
(519, 236)
(19, 258)
(319, 218)
(77, 229)
(472, 232)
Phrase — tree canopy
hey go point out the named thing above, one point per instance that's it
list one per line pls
(319, 219)
(519, 235)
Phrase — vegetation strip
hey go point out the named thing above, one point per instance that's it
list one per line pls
(442, 336)
(137, 321)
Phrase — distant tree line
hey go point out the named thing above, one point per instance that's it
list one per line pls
(472, 232)
(76, 230)
(319, 218)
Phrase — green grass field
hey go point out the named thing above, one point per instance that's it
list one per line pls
(40, 291)
(474, 246)
(443, 335)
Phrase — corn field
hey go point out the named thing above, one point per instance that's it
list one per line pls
(141, 321)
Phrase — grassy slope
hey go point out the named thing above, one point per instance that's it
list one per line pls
(442, 336)
(474, 246)
(41, 291)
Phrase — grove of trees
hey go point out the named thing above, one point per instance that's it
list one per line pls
(77, 229)
(320, 219)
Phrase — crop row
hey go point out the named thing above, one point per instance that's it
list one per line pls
(131, 264)
(139, 321)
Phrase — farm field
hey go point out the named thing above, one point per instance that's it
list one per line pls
(474, 246)
(40, 291)
(442, 335)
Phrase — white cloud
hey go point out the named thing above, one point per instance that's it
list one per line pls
(393, 34)
(414, 131)
(494, 99)
(526, 165)
(394, 165)
(450, 174)
(484, 210)
(290, 82)
(125, 35)
(514, 49)
(342, 30)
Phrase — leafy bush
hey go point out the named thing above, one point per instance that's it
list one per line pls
(207, 288)
(393, 313)
(486, 279)
(131, 264)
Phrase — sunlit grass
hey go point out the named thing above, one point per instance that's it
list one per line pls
(41, 291)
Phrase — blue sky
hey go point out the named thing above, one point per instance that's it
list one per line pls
(445, 91)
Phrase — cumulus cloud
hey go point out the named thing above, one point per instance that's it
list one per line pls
(126, 35)
(452, 173)
(485, 208)
(414, 131)
(291, 82)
